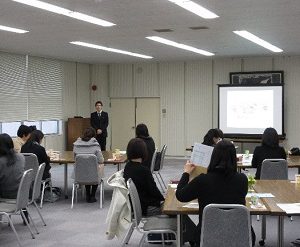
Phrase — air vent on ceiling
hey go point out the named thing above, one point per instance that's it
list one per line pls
(199, 28)
(163, 30)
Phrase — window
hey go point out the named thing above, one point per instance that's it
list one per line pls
(50, 127)
(10, 128)
(37, 124)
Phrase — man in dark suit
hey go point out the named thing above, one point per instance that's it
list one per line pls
(99, 121)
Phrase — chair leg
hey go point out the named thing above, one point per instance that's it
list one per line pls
(37, 208)
(128, 235)
(163, 182)
(27, 224)
(142, 240)
(13, 228)
(101, 194)
(51, 193)
(158, 180)
(34, 226)
(42, 194)
(73, 195)
(163, 239)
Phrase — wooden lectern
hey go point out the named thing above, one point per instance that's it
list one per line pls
(75, 128)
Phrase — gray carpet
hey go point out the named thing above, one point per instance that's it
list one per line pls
(85, 224)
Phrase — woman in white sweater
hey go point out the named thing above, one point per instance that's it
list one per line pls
(88, 144)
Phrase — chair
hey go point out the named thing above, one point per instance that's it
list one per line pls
(225, 225)
(86, 173)
(272, 169)
(36, 192)
(31, 162)
(158, 168)
(9, 209)
(148, 225)
(153, 161)
(275, 169)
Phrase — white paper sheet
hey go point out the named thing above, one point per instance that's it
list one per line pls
(260, 195)
(191, 205)
(290, 208)
(201, 154)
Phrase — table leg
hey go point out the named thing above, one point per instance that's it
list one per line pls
(66, 180)
(280, 231)
(298, 169)
(179, 230)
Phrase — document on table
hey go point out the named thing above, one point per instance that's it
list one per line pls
(290, 208)
(201, 154)
(191, 205)
(260, 195)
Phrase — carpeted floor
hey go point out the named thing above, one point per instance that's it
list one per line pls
(85, 224)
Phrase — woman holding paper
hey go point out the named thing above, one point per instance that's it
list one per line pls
(222, 184)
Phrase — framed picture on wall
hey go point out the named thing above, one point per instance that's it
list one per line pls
(256, 78)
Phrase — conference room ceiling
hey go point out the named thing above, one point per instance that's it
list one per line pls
(276, 21)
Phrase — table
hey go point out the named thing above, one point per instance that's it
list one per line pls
(67, 157)
(173, 207)
(284, 192)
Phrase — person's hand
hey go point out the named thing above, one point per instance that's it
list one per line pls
(189, 167)
(99, 131)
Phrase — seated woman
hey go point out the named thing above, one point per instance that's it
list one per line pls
(269, 149)
(222, 184)
(88, 144)
(23, 135)
(212, 137)
(141, 132)
(149, 194)
(33, 145)
(11, 168)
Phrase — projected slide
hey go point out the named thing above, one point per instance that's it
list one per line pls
(248, 110)
(245, 108)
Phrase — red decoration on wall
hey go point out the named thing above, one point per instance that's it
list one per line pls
(94, 87)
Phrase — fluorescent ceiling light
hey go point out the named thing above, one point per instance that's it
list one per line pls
(66, 12)
(99, 47)
(257, 40)
(12, 29)
(178, 45)
(195, 8)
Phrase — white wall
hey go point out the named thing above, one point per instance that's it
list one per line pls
(188, 92)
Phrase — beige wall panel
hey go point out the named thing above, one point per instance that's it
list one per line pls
(221, 69)
(145, 80)
(291, 68)
(171, 78)
(120, 80)
(198, 100)
(257, 64)
(83, 90)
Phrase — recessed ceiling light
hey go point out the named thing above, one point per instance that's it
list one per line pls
(178, 45)
(247, 35)
(12, 29)
(66, 12)
(99, 47)
(195, 8)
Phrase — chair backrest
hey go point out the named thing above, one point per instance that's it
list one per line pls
(274, 169)
(85, 169)
(225, 225)
(23, 191)
(31, 162)
(162, 156)
(135, 202)
(37, 182)
(153, 160)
